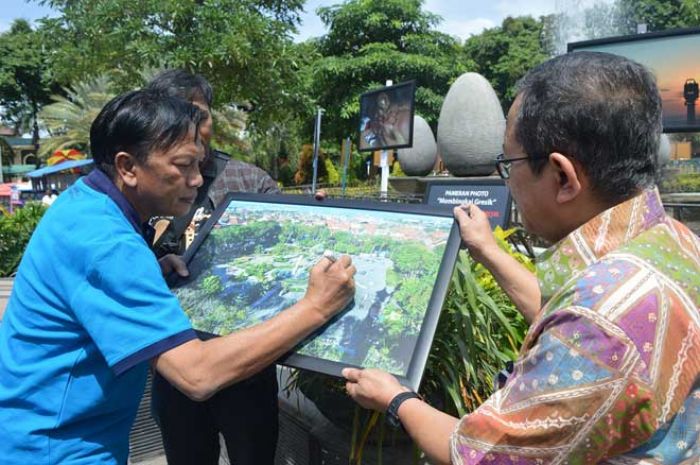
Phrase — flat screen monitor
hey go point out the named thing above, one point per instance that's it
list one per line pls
(386, 117)
(673, 58)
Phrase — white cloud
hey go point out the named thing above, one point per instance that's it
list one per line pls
(465, 28)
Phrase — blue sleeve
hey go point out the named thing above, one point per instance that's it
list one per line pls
(126, 306)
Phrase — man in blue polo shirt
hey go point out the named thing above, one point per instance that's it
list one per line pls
(90, 308)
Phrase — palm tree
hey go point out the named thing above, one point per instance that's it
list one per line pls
(68, 119)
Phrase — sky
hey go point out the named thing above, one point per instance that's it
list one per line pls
(461, 18)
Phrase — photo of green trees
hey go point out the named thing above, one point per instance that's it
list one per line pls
(255, 263)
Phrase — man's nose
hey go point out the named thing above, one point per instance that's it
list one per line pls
(196, 179)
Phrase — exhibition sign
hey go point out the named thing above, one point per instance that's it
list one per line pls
(491, 195)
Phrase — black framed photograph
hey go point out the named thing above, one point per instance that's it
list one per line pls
(386, 117)
(491, 194)
(252, 259)
(670, 55)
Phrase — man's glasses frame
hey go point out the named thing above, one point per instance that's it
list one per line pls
(503, 164)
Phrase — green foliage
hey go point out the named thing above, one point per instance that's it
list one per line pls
(211, 285)
(396, 170)
(333, 177)
(277, 146)
(15, 231)
(304, 174)
(230, 124)
(68, 119)
(243, 47)
(504, 54)
(26, 80)
(683, 182)
(659, 15)
(358, 23)
(479, 331)
(370, 41)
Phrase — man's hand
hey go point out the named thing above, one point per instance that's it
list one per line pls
(331, 286)
(516, 280)
(371, 388)
(171, 262)
(475, 230)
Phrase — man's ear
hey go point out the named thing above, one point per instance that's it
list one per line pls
(125, 166)
(569, 177)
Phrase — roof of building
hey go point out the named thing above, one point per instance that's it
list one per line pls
(19, 141)
(66, 165)
(18, 169)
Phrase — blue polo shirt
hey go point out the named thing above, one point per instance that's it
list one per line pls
(88, 310)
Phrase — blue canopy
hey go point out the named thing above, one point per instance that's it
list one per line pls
(66, 165)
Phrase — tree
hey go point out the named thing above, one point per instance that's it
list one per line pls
(504, 54)
(243, 47)
(26, 82)
(659, 15)
(370, 41)
(68, 119)
(230, 124)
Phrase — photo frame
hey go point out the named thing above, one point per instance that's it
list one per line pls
(491, 194)
(669, 55)
(251, 260)
(386, 117)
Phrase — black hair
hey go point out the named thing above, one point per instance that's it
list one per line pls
(140, 122)
(599, 109)
(180, 83)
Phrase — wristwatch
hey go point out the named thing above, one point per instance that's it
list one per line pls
(392, 412)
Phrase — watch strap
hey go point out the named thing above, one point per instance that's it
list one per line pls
(392, 411)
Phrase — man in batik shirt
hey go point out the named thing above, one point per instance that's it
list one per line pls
(610, 369)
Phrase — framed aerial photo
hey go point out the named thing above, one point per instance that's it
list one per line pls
(253, 256)
(386, 117)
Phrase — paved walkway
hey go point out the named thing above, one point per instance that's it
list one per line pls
(5, 289)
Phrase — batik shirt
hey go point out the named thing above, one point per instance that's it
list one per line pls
(610, 370)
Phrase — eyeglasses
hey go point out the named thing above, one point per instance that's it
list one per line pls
(503, 164)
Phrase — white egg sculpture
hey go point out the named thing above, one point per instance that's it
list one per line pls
(471, 127)
(419, 159)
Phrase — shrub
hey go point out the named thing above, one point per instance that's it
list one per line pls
(479, 331)
(15, 231)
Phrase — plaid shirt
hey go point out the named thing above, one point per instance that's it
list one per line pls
(610, 370)
(239, 176)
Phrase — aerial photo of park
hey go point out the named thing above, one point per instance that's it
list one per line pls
(255, 262)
